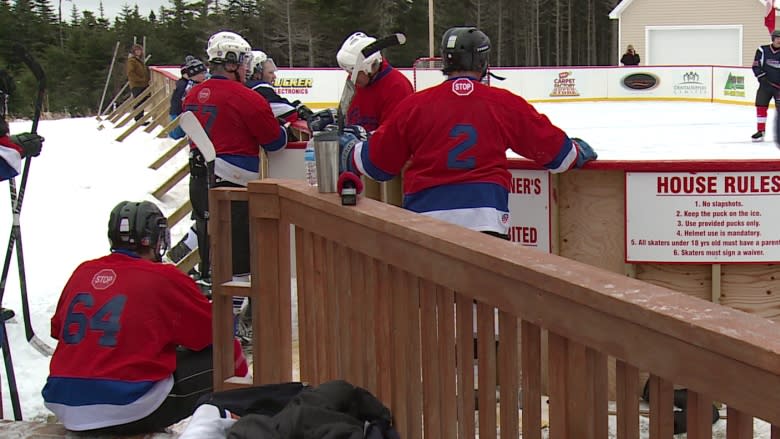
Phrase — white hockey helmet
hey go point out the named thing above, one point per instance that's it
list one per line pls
(261, 62)
(229, 47)
(348, 54)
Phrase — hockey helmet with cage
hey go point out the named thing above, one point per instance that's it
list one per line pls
(775, 34)
(465, 49)
(192, 66)
(136, 225)
(229, 48)
(260, 62)
(347, 56)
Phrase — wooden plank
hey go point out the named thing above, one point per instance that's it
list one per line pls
(136, 111)
(531, 360)
(222, 305)
(304, 257)
(627, 403)
(508, 374)
(775, 432)
(431, 364)
(753, 288)
(486, 370)
(558, 386)
(370, 346)
(699, 416)
(413, 365)
(342, 301)
(357, 315)
(318, 304)
(172, 181)
(598, 391)
(579, 409)
(333, 314)
(401, 335)
(179, 214)
(189, 262)
(265, 299)
(464, 336)
(661, 408)
(138, 123)
(284, 299)
(738, 425)
(445, 309)
(170, 126)
(383, 331)
(170, 153)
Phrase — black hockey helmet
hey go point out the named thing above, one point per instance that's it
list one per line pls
(465, 49)
(192, 66)
(775, 34)
(134, 225)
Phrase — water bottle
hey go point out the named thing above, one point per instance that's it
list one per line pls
(310, 165)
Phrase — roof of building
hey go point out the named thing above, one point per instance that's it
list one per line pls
(615, 14)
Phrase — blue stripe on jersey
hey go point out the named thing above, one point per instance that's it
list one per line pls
(248, 162)
(279, 143)
(371, 169)
(458, 196)
(88, 391)
(7, 171)
(562, 153)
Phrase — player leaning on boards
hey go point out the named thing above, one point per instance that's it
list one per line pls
(261, 79)
(133, 335)
(766, 67)
(456, 135)
(239, 122)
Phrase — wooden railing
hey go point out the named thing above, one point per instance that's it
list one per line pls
(393, 301)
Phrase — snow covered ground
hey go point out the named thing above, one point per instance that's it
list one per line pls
(82, 173)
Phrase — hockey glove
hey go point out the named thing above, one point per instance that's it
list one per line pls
(357, 131)
(31, 144)
(319, 120)
(584, 152)
(347, 143)
(304, 112)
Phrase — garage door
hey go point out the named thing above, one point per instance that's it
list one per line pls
(708, 45)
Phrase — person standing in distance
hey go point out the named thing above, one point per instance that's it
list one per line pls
(630, 58)
(137, 74)
(378, 89)
(239, 122)
(456, 135)
(766, 67)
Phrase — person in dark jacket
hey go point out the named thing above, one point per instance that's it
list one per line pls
(766, 67)
(192, 72)
(630, 58)
(137, 74)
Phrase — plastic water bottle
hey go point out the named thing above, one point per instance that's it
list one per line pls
(310, 163)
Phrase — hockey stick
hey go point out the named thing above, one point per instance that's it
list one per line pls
(191, 125)
(9, 365)
(16, 205)
(349, 86)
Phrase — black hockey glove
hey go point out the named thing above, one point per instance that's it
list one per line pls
(31, 144)
(584, 152)
(319, 120)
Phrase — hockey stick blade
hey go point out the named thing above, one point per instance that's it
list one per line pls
(191, 125)
(41, 346)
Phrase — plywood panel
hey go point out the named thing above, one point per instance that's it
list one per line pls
(591, 218)
(694, 280)
(752, 288)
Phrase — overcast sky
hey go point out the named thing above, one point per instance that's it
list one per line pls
(111, 7)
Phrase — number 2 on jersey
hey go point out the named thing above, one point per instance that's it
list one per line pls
(105, 320)
(455, 158)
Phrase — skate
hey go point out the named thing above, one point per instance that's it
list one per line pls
(758, 136)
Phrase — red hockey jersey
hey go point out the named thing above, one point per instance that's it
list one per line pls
(118, 322)
(455, 136)
(373, 103)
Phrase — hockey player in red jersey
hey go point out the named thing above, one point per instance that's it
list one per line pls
(378, 89)
(239, 122)
(456, 135)
(379, 86)
(133, 335)
(766, 67)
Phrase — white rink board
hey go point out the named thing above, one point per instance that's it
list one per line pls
(703, 217)
(529, 207)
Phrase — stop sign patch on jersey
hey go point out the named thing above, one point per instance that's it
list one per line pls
(462, 87)
(103, 279)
